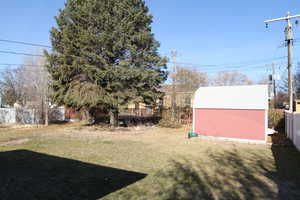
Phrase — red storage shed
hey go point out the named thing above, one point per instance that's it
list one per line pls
(232, 112)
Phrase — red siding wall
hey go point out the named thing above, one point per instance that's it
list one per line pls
(237, 124)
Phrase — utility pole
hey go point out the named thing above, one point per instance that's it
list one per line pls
(174, 57)
(273, 76)
(272, 83)
(289, 39)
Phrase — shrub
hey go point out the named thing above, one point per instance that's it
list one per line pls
(166, 120)
(276, 120)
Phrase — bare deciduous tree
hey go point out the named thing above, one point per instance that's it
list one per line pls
(297, 82)
(10, 88)
(227, 78)
(263, 81)
(36, 80)
(190, 79)
(28, 85)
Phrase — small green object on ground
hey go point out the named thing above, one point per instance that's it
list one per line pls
(192, 134)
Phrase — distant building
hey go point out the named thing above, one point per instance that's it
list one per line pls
(297, 105)
(183, 98)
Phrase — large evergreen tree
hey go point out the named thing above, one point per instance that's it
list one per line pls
(104, 54)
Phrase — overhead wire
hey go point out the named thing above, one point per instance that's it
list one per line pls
(21, 53)
(185, 63)
(14, 64)
(25, 43)
(7, 66)
(218, 67)
(243, 65)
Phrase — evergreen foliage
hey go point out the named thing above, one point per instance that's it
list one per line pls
(104, 53)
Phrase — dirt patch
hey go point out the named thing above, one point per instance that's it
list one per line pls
(13, 141)
(100, 131)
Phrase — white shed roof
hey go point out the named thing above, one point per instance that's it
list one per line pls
(232, 97)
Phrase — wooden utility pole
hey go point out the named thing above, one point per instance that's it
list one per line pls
(173, 106)
(274, 76)
(272, 83)
(289, 39)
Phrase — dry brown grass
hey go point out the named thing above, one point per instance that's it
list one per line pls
(176, 167)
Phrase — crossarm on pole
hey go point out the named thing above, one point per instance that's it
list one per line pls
(282, 18)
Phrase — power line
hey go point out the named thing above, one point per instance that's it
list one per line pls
(253, 62)
(21, 53)
(187, 64)
(33, 71)
(198, 69)
(256, 68)
(14, 64)
(25, 43)
(225, 67)
(183, 63)
(249, 62)
(241, 65)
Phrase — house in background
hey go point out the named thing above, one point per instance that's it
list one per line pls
(140, 109)
(232, 112)
(183, 98)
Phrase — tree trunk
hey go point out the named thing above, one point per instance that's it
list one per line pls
(85, 114)
(114, 118)
(46, 113)
(45, 110)
(137, 108)
(92, 115)
(41, 111)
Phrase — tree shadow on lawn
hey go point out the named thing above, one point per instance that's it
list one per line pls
(232, 175)
(226, 176)
(287, 160)
(30, 175)
(222, 176)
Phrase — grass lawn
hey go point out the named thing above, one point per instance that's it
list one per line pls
(74, 161)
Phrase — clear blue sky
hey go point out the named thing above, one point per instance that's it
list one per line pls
(203, 32)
